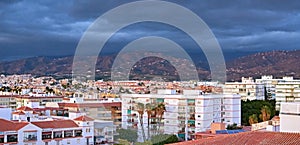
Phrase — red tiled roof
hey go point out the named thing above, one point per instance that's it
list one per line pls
(39, 97)
(19, 113)
(8, 96)
(7, 125)
(91, 105)
(83, 118)
(56, 124)
(24, 108)
(251, 138)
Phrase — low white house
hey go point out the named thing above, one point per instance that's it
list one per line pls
(52, 132)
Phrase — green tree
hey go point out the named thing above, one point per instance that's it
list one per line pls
(160, 109)
(123, 142)
(162, 139)
(233, 127)
(149, 110)
(126, 134)
(144, 143)
(254, 107)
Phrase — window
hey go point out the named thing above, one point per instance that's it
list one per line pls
(88, 130)
(57, 134)
(30, 136)
(1, 138)
(12, 138)
(68, 133)
(46, 135)
(78, 133)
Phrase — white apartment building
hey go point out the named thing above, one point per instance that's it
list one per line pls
(248, 89)
(271, 83)
(185, 114)
(287, 92)
(289, 117)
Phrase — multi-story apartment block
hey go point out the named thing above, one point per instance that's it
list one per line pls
(36, 101)
(8, 101)
(185, 113)
(248, 89)
(287, 92)
(107, 111)
(271, 83)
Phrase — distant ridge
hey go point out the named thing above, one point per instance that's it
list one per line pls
(277, 63)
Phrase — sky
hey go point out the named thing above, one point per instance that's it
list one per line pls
(31, 28)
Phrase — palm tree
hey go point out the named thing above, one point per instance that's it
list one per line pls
(140, 108)
(265, 113)
(253, 119)
(149, 110)
(160, 109)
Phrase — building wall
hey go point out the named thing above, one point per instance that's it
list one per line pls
(289, 117)
(5, 113)
(287, 92)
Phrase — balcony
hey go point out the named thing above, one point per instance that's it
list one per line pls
(68, 133)
(12, 138)
(30, 136)
(78, 133)
(57, 134)
(46, 135)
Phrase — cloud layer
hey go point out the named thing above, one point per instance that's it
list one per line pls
(35, 28)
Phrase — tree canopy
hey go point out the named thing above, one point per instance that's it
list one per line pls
(255, 107)
(126, 134)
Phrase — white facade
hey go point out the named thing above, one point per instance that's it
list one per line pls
(287, 92)
(248, 89)
(285, 89)
(32, 134)
(192, 109)
(289, 117)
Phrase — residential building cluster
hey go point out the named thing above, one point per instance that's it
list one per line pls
(43, 110)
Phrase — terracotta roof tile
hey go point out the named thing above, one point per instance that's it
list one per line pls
(19, 113)
(83, 118)
(56, 124)
(250, 138)
(7, 125)
(24, 108)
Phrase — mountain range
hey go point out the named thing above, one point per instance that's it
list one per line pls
(276, 63)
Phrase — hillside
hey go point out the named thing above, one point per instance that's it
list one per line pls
(277, 63)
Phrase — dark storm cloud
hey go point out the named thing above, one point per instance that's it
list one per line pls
(33, 28)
